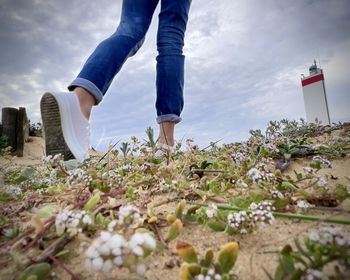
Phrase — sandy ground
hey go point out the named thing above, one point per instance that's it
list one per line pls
(258, 250)
(33, 152)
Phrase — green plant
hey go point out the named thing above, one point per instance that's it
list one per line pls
(321, 247)
(125, 149)
(207, 267)
(151, 142)
(3, 142)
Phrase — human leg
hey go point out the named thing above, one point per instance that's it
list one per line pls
(86, 101)
(109, 56)
(65, 116)
(170, 66)
(166, 133)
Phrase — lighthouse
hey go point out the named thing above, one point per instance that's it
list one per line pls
(315, 98)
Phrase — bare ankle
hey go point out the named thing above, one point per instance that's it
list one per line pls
(86, 101)
(166, 133)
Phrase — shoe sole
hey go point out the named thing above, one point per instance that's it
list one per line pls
(53, 134)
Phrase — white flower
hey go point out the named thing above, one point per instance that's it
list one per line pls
(12, 190)
(211, 211)
(312, 274)
(116, 242)
(150, 242)
(87, 220)
(118, 261)
(255, 174)
(97, 263)
(138, 251)
(309, 170)
(143, 241)
(314, 236)
(303, 204)
(91, 253)
(235, 220)
(239, 157)
(271, 147)
(129, 215)
(322, 181)
(107, 266)
(112, 225)
(340, 241)
(277, 194)
(105, 236)
(140, 269)
(258, 175)
(330, 235)
(136, 239)
(325, 163)
(242, 184)
(104, 250)
(108, 250)
(253, 206)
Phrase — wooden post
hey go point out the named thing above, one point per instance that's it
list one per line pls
(22, 128)
(9, 124)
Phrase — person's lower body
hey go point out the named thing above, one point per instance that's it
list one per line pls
(106, 61)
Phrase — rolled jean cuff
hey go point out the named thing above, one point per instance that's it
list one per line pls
(89, 86)
(168, 118)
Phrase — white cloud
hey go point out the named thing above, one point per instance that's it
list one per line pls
(243, 66)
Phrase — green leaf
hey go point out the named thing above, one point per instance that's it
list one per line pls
(185, 274)
(187, 252)
(280, 203)
(70, 164)
(230, 230)
(208, 258)
(340, 192)
(194, 166)
(286, 186)
(287, 264)
(175, 230)
(180, 208)
(316, 164)
(227, 256)
(226, 277)
(202, 194)
(26, 174)
(194, 269)
(222, 214)
(11, 233)
(4, 197)
(47, 211)
(62, 253)
(215, 225)
(93, 201)
(100, 219)
(193, 209)
(37, 271)
(279, 273)
(205, 164)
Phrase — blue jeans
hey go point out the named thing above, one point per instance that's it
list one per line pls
(109, 56)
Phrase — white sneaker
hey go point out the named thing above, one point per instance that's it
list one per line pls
(66, 130)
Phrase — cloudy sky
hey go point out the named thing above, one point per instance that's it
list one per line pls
(243, 63)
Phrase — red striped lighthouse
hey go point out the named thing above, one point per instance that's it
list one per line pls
(315, 99)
